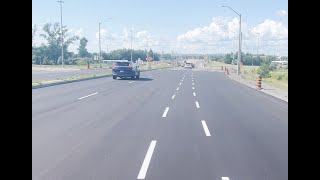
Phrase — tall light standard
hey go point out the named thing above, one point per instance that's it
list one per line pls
(257, 47)
(100, 40)
(239, 52)
(61, 32)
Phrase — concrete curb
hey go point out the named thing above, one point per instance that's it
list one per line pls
(262, 90)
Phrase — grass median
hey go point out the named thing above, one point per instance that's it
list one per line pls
(70, 79)
(95, 75)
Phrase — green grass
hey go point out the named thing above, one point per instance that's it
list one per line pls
(217, 65)
(156, 66)
(36, 83)
(279, 78)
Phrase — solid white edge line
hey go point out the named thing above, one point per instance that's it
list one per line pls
(146, 161)
(131, 81)
(88, 95)
(225, 178)
(197, 104)
(173, 96)
(205, 128)
(165, 112)
(194, 94)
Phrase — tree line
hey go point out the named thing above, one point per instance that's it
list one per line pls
(50, 52)
(248, 58)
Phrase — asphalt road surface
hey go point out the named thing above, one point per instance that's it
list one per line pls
(169, 125)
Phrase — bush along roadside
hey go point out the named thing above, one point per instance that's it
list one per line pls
(264, 70)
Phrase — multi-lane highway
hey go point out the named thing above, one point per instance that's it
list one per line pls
(169, 125)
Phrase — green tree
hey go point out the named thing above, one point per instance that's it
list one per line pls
(247, 59)
(52, 34)
(39, 53)
(150, 53)
(82, 51)
(228, 58)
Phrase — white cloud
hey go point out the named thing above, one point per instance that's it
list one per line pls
(75, 45)
(219, 29)
(282, 13)
(271, 30)
(140, 40)
(38, 40)
(221, 36)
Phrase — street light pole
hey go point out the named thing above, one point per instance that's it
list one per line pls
(239, 52)
(61, 33)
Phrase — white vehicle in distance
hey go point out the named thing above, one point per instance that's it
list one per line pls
(188, 66)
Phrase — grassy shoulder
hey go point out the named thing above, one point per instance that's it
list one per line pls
(278, 78)
(155, 66)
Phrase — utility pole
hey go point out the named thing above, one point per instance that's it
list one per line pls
(131, 43)
(147, 48)
(61, 32)
(257, 47)
(239, 53)
(100, 41)
(234, 35)
(162, 56)
(99, 47)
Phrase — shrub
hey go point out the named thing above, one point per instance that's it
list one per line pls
(264, 70)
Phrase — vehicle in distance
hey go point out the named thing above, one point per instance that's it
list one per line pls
(125, 69)
(188, 65)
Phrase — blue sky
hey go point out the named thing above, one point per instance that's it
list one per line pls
(159, 24)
